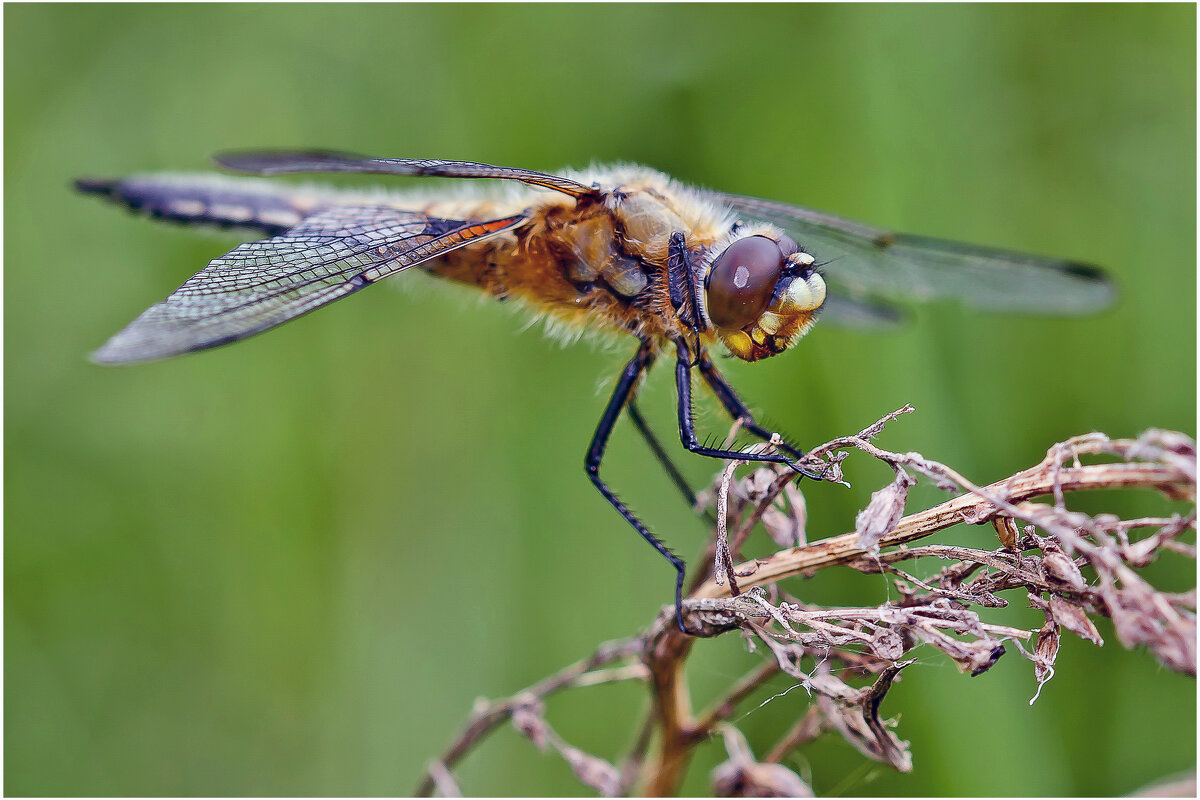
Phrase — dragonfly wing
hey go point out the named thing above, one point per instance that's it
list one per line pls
(261, 284)
(864, 261)
(850, 312)
(268, 162)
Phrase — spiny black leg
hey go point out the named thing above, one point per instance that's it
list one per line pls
(656, 447)
(681, 286)
(682, 291)
(625, 385)
(687, 425)
(734, 405)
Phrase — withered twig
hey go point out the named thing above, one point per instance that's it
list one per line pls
(806, 729)
(631, 765)
(723, 708)
(1042, 549)
(1022, 486)
(487, 716)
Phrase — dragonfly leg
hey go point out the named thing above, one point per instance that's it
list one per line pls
(620, 398)
(687, 424)
(664, 459)
(734, 405)
(681, 285)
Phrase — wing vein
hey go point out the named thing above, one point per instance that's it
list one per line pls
(259, 285)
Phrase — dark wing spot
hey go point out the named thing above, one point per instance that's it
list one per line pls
(440, 227)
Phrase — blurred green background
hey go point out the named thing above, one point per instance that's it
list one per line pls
(290, 566)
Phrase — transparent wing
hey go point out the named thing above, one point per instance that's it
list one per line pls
(871, 262)
(848, 312)
(259, 285)
(269, 162)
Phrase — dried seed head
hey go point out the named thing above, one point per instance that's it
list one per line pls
(887, 644)
(1073, 618)
(593, 771)
(527, 718)
(1060, 567)
(884, 511)
(755, 779)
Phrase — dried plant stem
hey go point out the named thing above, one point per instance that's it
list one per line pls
(488, 715)
(1042, 549)
(1023, 486)
(722, 709)
(672, 707)
(806, 729)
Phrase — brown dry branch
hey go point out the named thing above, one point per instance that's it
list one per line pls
(1070, 566)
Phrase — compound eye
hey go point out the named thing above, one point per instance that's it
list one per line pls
(742, 280)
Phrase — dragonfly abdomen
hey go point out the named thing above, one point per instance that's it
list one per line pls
(576, 273)
(269, 208)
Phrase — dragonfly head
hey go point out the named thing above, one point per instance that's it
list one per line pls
(761, 293)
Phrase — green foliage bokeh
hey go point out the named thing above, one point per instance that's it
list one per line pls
(288, 567)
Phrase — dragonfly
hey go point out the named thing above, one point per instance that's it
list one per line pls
(684, 271)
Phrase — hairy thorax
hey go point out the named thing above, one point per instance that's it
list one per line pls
(599, 263)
